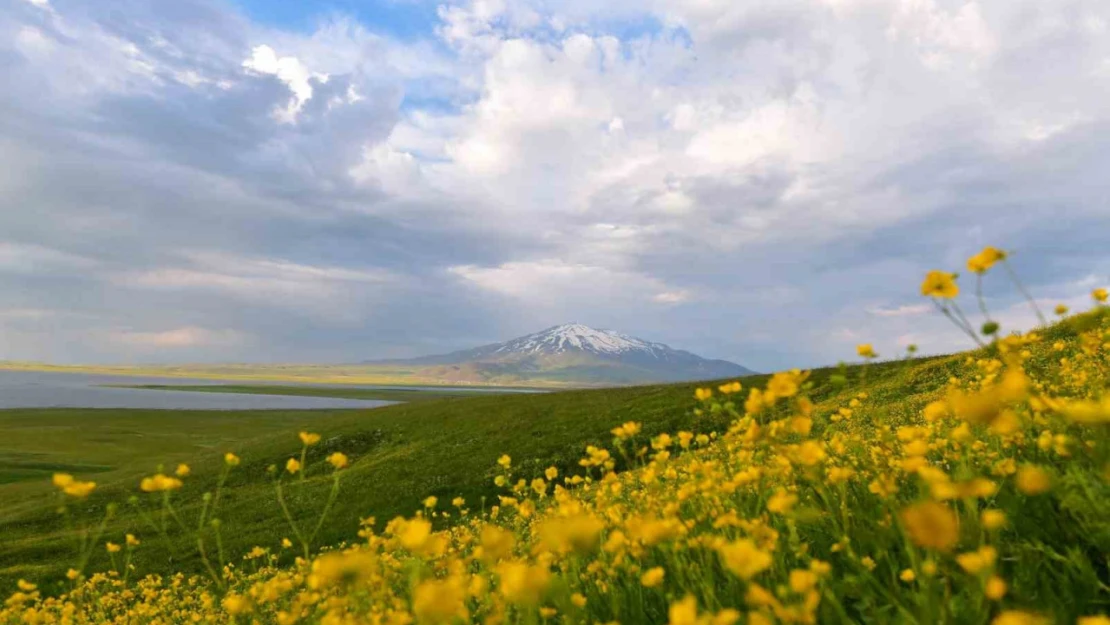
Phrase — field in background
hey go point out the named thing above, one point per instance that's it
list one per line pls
(304, 374)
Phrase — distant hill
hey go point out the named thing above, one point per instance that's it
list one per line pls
(572, 353)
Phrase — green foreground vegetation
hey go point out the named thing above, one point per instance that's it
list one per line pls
(400, 454)
(964, 489)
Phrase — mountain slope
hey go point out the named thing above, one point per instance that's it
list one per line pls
(574, 354)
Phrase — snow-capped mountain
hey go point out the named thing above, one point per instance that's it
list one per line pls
(575, 336)
(576, 354)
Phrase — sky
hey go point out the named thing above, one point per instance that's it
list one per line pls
(765, 181)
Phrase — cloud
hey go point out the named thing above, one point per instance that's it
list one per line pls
(744, 179)
(905, 310)
(188, 337)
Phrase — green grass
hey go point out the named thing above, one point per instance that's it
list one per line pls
(400, 454)
(387, 394)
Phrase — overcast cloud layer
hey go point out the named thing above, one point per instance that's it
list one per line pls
(763, 181)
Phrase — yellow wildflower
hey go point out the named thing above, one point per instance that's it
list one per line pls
(1100, 295)
(744, 558)
(442, 601)
(1019, 617)
(940, 284)
(993, 519)
(522, 583)
(985, 259)
(309, 438)
(653, 577)
(931, 524)
(338, 460)
(182, 470)
(995, 588)
(159, 483)
(293, 465)
(1033, 480)
(683, 612)
(781, 502)
(865, 350)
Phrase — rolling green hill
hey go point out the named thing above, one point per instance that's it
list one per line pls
(400, 454)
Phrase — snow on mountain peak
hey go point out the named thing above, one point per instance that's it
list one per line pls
(575, 336)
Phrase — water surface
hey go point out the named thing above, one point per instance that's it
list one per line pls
(39, 389)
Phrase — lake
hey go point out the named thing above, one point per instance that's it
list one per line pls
(35, 389)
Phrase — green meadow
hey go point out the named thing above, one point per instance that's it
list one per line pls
(431, 445)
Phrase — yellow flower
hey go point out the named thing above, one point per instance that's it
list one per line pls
(1061, 309)
(551, 473)
(236, 604)
(159, 483)
(730, 388)
(627, 429)
(684, 612)
(744, 558)
(653, 577)
(1033, 480)
(458, 502)
(442, 601)
(1019, 617)
(931, 524)
(1099, 295)
(286, 543)
(975, 562)
(985, 259)
(182, 470)
(414, 534)
(940, 284)
(79, 490)
(132, 541)
(231, 459)
(338, 460)
(907, 575)
(785, 383)
(578, 599)
(25, 585)
(341, 568)
(309, 438)
(802, 580)
(993, 519)
(578, 533)
(865, 350)
(995, 588)
(292, 465)
(702, 394)
(112, 547)
(1093, 620)
(522, 583)
(430, 502)
(505, 461)
(781, 502)
(73, 574)
(61, 480)
(497, 543)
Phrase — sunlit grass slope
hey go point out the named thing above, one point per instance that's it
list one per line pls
(966, 489)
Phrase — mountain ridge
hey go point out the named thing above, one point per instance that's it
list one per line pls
(575, 353)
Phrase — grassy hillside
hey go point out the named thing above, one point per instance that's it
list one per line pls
(352, 392)
(400, 454)
(965, 489)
